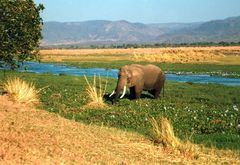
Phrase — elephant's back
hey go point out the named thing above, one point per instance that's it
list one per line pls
(147, 67)
(152, 68)
(150, 71)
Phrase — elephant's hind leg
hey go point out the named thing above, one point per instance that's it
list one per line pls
(152, 92)
(155, 93)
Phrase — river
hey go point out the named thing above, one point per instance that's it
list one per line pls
(66, 70)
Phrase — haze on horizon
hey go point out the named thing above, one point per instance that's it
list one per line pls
(144, 11)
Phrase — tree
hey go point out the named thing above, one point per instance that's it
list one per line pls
(20, 31)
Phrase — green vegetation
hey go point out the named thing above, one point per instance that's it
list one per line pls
(20, 31)
(207, 114)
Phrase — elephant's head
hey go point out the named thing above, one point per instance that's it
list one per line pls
(124, 80)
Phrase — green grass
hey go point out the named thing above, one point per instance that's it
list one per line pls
(209, 114)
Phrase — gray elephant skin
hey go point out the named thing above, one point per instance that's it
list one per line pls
(138, 78)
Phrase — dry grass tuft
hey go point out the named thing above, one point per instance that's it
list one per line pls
(21, 91)
(163, 133)
(95, 94)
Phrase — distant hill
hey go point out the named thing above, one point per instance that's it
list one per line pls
(227, 30)
(117, 32)
(97, 32)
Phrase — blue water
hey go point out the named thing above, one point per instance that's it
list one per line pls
(63, 69)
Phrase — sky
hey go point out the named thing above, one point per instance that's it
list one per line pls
(144, 11)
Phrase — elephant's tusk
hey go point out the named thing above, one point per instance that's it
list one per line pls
(124, 92)
(112, 93)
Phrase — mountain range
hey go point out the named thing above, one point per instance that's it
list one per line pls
(118, 32)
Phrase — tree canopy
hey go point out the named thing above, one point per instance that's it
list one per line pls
(20, 31)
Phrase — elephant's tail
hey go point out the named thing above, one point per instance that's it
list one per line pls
(163, 90)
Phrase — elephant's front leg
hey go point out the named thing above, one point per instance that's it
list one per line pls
(138, 91)
(132, 92)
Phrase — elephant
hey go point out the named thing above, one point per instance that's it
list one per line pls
(138, 78)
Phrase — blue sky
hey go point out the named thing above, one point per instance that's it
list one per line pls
(144, 11)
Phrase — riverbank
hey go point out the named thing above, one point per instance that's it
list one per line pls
(220, 61)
